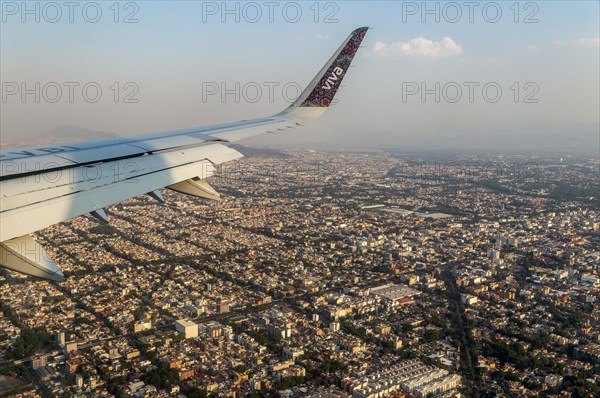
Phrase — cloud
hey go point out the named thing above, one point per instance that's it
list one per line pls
(323, 37)
(419, 47)
(299, 38)
(587, 42)
(579, 42)
(533, 47)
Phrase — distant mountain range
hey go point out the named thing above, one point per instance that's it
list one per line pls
(58, 135)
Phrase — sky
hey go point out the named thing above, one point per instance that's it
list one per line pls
(451, 75)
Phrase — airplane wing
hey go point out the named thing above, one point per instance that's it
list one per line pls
(43, 186)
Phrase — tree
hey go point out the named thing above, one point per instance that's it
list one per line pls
(433, 335)
(29, 342)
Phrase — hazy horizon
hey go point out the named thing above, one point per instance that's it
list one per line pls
(543, 59)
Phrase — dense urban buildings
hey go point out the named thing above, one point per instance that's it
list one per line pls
(324, 274)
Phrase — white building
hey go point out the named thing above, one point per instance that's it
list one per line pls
(468, 299)
(188, 328)
(411, 376)
(553, 380)
(334, 326)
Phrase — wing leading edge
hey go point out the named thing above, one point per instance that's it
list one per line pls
(43, 186)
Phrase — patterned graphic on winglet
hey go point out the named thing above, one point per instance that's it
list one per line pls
(323, 92)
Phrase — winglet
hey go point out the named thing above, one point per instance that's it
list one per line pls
(319, 94)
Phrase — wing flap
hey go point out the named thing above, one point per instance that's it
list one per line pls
(25, 255)
(197, 188)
